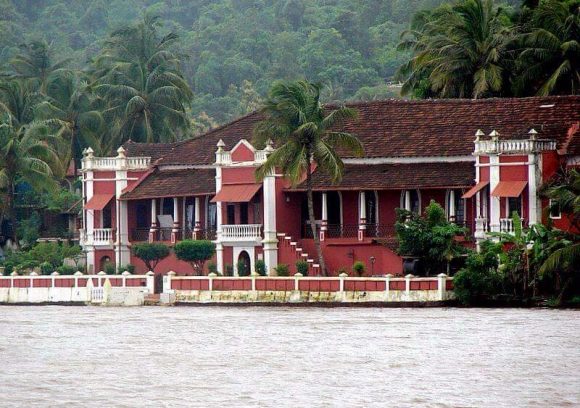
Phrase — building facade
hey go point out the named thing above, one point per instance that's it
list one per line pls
(482, 160)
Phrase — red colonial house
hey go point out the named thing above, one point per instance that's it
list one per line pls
(480, 159)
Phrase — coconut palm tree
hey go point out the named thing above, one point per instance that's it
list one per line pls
(26, 155)
(550, 59)
(71, 108)
(306, 135)
(139, 77)
(458, 51)
(35, 64)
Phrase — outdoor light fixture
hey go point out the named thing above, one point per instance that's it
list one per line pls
(372, 259)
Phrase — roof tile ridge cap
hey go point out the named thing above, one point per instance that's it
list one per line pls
(144, 176)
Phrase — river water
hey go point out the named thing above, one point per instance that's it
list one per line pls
(288, 357)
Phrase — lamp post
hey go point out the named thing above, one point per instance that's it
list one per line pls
(372, 259)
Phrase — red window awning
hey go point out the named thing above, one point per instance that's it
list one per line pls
(236, 193)
(99, 201)
(509, 189)
(473, 190)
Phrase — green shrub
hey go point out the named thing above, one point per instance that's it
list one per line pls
(359, 268)
(302, 267)
(151, 253)
(27, 265)
(46, 268)
(109, 268)
(242, 269)
(195, 252)
(480, 277)
(212, 267)
(282, 270)
(127, 268)
(260, 267)
(67, 270)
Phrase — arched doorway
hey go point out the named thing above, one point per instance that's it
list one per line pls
(105, 260)
(244, 264)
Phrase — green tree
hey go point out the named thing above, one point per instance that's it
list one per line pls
(550, 59)
(140, 78)
(461, 50)
(26, 155)
(69, 107)
(36, 64)
(151, 253)
(195, 252)
(305, 134)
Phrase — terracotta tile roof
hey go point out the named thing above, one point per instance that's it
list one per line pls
(418, 128)
(174, 183)
(397, 176)
(153, 150)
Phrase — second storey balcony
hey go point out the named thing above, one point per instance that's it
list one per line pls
(241, 232)
(98, 236)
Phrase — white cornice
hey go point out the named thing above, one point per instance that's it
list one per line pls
(409, 160)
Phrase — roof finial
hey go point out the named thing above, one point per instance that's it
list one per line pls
(220, 145)
(494, 135)
(269, 145)
(533, 134)
(121, 152)
(89, 152)
(478, 135)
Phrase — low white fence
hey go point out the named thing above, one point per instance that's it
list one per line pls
(126, 289)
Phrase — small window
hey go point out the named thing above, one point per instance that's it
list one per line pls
(555, 211)
(231, 214)
(514, 205)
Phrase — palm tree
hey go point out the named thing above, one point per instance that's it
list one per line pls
(306, 134)
(550, 60)
(35, 64)
(139, 77)
(70, 107)
(26, 155)
(458, 51)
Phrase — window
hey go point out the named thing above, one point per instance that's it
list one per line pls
(211, 216)
(411, 201)
(231, 214)
(143, 218)
(514, 205)
(371, 207)
(107, 218)
(167, 206)
(455, 207)
(243, 213)
(555, 210)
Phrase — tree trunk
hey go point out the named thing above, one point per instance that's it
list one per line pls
(11, 216)
(312, 220)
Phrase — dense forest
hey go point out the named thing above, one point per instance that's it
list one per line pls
(232, 50)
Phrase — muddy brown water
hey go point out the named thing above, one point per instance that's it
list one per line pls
(288, 357)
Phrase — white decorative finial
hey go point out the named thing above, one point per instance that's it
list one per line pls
(494, 134)
(121, 152)
(220, 145)
(269, 145)
(478, 135)
(533, 134)
(90, 152)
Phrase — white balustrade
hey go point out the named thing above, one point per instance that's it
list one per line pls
(241, 232)
(138, 163)
(103, 236)
(117, 163)
(223, 157)
(513, 146)
(506, 225)
(260, 156)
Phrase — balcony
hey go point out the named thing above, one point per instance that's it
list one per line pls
(243, 232)
(99, 236)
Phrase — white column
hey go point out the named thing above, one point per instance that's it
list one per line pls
(122, 253)
(270, 241)
(219, 246)
(452, 205)
(362, 215)
(324, 221)
(175, 229)
(407, 200)
(153, 228)
(494, 202)
(197, 219)
(534, 181)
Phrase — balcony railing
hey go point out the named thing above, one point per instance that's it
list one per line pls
(242, 232)
(513, 146)
(140, 235)
(507, 225)
(99, 236)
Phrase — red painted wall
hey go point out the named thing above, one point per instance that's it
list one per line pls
(233, 175)
(242, 153)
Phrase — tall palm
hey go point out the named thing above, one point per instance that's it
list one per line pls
(36, 64)
(550, 60)
(305, 134)
(140, 78)
(458, 51)
(70, 107)
(26, 155)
